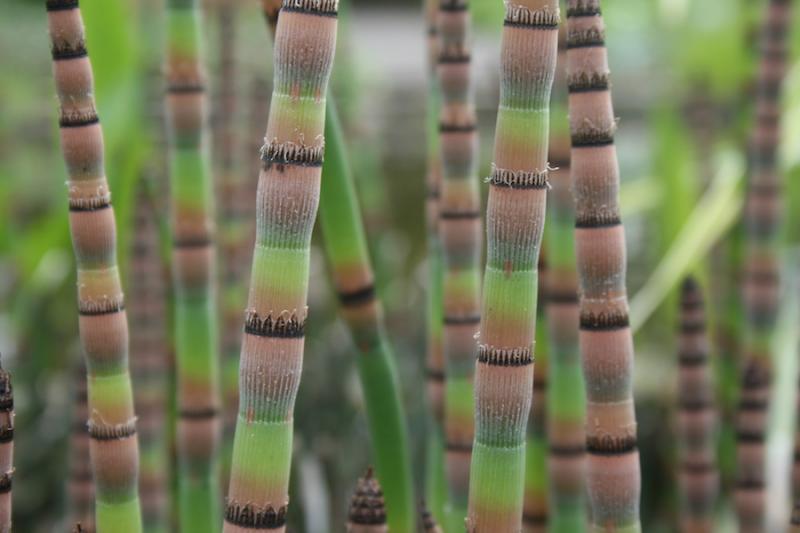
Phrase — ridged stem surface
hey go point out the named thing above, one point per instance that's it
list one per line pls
(566, 399)
(459, 227)
(515, 222)
(102, 322)
(698, 478)
(193, 271)
(287, 201)
(612, 466)
(761, 274)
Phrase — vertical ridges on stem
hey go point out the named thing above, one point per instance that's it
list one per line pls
(613, 477)
(697, 416)
(367, 512)
(287, 201)
(6, 449)
(102, 321)
(459, 227)
(193, 271)
(515, 222)
(566, 399)
(761, 275)
(150, 367)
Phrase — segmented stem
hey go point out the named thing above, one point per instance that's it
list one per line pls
(515, 222)
(193, 271)
(150, 368)
(566, 399)
(287, 201)
(761, 275)
(460, 240)
(613, 477)
(6, 449)
(697, 416)
(102, 323)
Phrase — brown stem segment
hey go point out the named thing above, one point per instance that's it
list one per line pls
(101, 306)
(613, 476)
(6, 449)
(761, 275)
(697, 416)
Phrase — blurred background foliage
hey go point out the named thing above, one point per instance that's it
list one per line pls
(683, 84)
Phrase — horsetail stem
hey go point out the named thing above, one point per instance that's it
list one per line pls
(697, 417)
(613, 477)
(235, 240)
(6, 449)
(367, 507)
(515, 221)
(434, 371)
(102, 322)
(193, 271)
(566, 399)
(460, 239)
(761, 283)
(80, 485)
(288, 196)
(353, 277)
(150, 367)
(535, 508)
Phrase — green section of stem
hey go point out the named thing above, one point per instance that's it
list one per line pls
(435, 480)
(345, 244)
(497, 477)
(118, 517)
(196, 324)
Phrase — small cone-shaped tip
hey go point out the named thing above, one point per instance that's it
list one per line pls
(429, 524)
(367, 505)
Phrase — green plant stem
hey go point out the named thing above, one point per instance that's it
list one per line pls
(515, 223)
(287, 201)
(346, 249)
(194, 272)
(566, 399)
(102, 321)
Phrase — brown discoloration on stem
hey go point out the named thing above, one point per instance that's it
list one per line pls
(6, 448)
(242, 518)
(367, 508)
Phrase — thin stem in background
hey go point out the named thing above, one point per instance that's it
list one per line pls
(697, 416)
(80, 485)
(515, 223)
(193, 271)
(760, 273)
(460, 240)
(102, 322)
(287, 201)
(566, 399)
(150, 368)
(613, 474)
